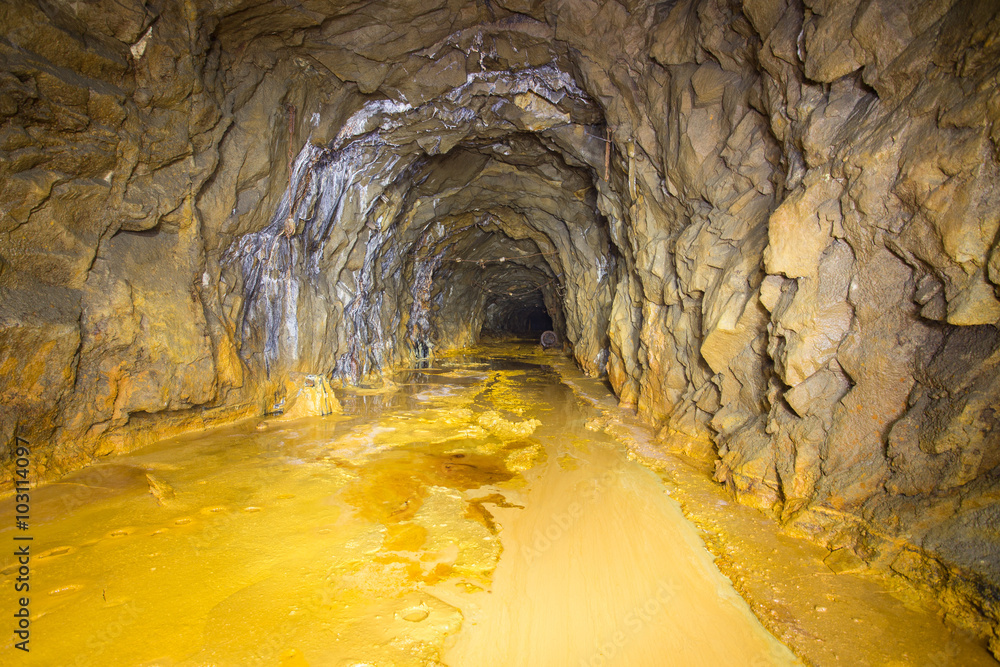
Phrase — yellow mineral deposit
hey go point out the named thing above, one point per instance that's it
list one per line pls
(601, 568)
(476, 521)
(308, 396)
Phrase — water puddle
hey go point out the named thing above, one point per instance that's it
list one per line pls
(465, 516)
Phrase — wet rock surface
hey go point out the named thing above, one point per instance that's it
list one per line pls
(398, 532)
(772, 225)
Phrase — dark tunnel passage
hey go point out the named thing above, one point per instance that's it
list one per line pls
(525, 318)
(426, 235)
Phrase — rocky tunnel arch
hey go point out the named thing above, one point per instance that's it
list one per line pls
(400, 242)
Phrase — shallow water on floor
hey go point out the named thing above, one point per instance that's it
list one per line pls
(465, 515)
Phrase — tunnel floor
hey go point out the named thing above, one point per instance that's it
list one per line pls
(471, 513)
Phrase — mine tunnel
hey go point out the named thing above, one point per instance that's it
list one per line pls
(506, 332)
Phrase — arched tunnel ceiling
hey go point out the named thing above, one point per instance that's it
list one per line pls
(488, 81)
(500, 169)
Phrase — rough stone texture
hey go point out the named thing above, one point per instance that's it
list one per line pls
(787, 260)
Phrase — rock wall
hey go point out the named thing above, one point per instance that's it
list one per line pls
(774, 225)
